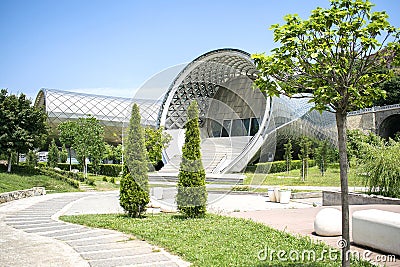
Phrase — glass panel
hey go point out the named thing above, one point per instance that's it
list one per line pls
(246, 125)
(216, 128)
(254, 126)
(238, 128)
(226, 130)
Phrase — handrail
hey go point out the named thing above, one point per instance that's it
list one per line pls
(373, 109)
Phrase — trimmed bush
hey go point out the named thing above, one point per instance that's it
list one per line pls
(65, 166)
(54, 174)
(134, 187)
(21, 169)
(112, 170)
(279, 166)
(192, 194)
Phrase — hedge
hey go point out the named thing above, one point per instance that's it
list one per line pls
(21, 169)
(56, 175)
(112, 170)
(65, 166)
(280, 166)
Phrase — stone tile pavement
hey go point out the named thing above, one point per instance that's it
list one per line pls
(33, 236)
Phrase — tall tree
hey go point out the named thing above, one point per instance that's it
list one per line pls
(156, 140)
(89, 140)
(304, 156)
(134, 187)
(288, 154)
(31, 158)
(67, 132)
(192, 194)
(333, 55)
(321, 156)
(63, 154)
(23, 126)
(53, 156)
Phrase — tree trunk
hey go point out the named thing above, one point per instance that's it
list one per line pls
(70, 160)
(9, 163)
(341, 121)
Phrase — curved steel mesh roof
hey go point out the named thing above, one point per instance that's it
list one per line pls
(200, 80)
(112, 112)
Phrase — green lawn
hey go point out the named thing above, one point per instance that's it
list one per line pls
(102, 185)
(331, 178)
(12, 182)
(215, 240)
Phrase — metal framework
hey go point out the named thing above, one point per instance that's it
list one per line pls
(238, 122)
(201, 79)
(112, 112)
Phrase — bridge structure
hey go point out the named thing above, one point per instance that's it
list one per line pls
(381, 120)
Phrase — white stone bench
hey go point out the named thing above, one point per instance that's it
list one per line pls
(377, 229)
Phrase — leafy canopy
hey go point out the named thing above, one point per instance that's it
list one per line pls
(333, 55)
(22, 126)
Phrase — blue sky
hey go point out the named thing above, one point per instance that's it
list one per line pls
(112, 47)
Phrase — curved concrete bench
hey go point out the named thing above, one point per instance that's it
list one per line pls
(377, 229)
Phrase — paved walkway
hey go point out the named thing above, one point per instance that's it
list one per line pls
(33, 236)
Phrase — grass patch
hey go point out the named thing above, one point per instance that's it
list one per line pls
(104, 183)
(330, 178)
(13, 182)
(213, 240)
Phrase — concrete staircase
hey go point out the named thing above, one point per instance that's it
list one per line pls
(215, 152)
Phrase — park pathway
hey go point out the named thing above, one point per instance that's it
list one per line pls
(91, 247)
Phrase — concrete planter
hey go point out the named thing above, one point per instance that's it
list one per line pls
(284, 196)
(271, 195)
(277, 195)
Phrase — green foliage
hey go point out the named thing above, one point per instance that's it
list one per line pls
(89, 141)
(53, 156)
(321, 156)
(66, 134)
(105, 169)
(23, 126)
(192, 195)
(288, 154)
(112, 170)
(304, 156)
(334, 55)
(156, 141)
(357, 140)
(59, 176)
(280, 166)
(65, 166)
(63, 154)
(31, 158)
(90, 181)
(24, 178)
(113, 153)
(392, 89)
(380, 167)
(134, 187)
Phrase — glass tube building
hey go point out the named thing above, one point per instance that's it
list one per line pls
(238, 123)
